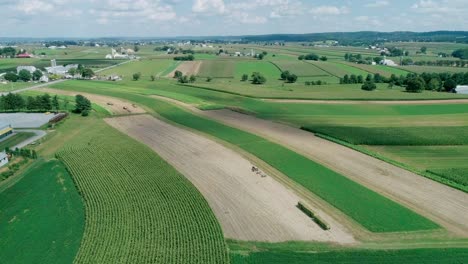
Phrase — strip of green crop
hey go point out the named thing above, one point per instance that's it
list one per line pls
(41, 217)
(370, 209)
(138, 208)
(407, 256)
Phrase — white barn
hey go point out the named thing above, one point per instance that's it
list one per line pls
(30, 69)
(3, 159)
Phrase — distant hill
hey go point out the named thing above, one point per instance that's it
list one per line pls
(366, 37)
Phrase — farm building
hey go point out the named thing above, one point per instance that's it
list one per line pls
(388, 62)
(5, 130)
(462, 89)
(59, 69)
(3, 159)
(24, 55)
(30, 69)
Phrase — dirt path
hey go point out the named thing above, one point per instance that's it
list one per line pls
(248, 206)
(386, 102)
(443, 204)
(187, 68)
(114, 105)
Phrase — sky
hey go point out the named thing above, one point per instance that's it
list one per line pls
(168, 18)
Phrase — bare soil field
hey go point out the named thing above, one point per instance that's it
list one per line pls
(114, 105)
(248, 205)
(384, 102)
(444, 205)
(187, 68)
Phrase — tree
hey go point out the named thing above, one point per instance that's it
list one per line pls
(55, 103)
(178, 74)
(423, 49)
(83, 105)
(310, 56)
(461, 54)
(45, 102)
(369, 86)
(292, 78)
(25, 75)
(258, 78)
(360, 79)
(192, 78)
(136, 76)
(284, 75)
(450, 85)
(434, 85)
(136, 48)
(152, 77)
(323, 58)
(11, 77)
(378, 78)
(183, 79)
(37, 74)
(31, 103)
(87, 73)
(72, 71)
(415, 85)
(245, 77)
(260, 56)
(209, 79)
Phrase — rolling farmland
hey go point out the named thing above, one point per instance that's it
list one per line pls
(131, 193)
(300, 68)
(217, 69)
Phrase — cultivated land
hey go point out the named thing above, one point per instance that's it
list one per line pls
(266, 210)
(190, 196)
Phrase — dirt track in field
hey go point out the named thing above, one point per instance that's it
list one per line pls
(248, 206)
(187, 68)
(383, 102)
(114, 105)
(444, 205)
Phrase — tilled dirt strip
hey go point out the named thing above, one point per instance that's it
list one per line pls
(114, 105)
(444, 205)
(248, 206)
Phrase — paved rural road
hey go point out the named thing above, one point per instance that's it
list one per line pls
(444, 205)
(59, 81)
(39, 134)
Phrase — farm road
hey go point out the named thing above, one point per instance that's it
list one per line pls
(247, 205)
(444, 205)
(38, 135)
(383, 102)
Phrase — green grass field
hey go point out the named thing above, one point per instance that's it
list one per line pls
(15, 139)
(138, 208)
(422, 69)
(383, 70)
(155, 67)
(217, 69)
(338, 69)
(385, 215)
(41, 217)
(270, 71)
(300, 68)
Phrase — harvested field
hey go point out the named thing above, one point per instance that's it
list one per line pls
(187, 68)
(248, 206)
(445, 205)
(114, 105)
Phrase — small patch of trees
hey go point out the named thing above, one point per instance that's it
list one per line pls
(369, 86)
(288, 77)
(82, 105)
(39, 103)
(312, 83)
(189, 57)
(461, 54)
(310, 56)
(245, 77)
(86, 72)
(258, 78)
(136, 76)
(187, 79)
(11, 77)
(37, 74)
(359, 59)
(178, 74)
(8, 52)
(444, 63)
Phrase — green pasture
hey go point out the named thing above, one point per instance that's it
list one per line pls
(300, 68)
(270, 71)
(338, 69)
(147, 68)
(41, 217)
(433, 69)
(383, 70)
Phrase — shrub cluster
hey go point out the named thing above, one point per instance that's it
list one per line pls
(312, 216)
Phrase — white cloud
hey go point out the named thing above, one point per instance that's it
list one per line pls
(287, 10)
(329, 10)
(246, 18)
(378, 3)
(136, 10)
(209, 6)
(34, 7)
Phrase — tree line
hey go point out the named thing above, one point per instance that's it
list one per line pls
(442, 82)
(189, 57)
(39, 103)
(312, 56)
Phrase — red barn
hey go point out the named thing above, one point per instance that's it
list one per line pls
(24, 55)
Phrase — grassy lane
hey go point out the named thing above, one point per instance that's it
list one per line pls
(138, 208)
(371, 210)
(41, 217)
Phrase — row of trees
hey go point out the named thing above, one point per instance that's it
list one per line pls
(442, 82)
(16, 102)
(8, 52)
(23, 75)
(358, 58)
(447, 63)
(312, 56)
(184, 78)
(189, 57)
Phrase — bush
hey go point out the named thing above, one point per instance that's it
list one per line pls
(245, 77)
(369, 86)
(415, 85)
(136, 76)
(258, 78)
(310, 56)
(312, 216)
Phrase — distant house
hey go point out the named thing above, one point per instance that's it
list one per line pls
(24, 55)
(388, 62)
(3, 159)
(44, 79)
(5, 130)
(30, 69)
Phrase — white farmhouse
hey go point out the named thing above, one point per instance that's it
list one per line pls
(3, 159)
(30, 69)
(462, 89)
